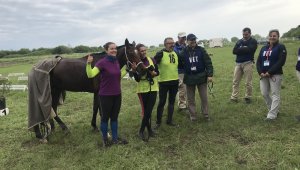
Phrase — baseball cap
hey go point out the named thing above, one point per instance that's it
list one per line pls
(181, 34)
(191, 37)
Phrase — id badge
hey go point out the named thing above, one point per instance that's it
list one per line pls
(267, 63)
(299, 58)
(193, 68)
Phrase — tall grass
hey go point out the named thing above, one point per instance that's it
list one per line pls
(236, 138)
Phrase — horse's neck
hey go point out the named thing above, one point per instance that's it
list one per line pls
(121, 58)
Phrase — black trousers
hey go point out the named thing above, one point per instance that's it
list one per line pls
(147, 101)
(164, 89)
(110, 107)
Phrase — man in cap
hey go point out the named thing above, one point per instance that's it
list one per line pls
(179, 45)
(198, 70)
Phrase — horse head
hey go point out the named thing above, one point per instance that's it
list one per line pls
(128, 55)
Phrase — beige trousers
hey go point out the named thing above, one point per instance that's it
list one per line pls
(190, 91)
(270, 89)
(241, 69)
(181, 93)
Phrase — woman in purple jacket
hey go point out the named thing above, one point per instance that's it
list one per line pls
(109, 91)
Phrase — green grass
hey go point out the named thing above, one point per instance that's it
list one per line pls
(236, 138)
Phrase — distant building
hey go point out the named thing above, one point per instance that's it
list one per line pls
(216, 42)
(201, 44)
(262, 42)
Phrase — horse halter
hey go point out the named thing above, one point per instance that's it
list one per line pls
(128, 62)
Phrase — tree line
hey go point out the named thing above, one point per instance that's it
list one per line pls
(49, 51)
(293, 33)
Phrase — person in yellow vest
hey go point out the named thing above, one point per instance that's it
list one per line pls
(147, 87)
(167, 61)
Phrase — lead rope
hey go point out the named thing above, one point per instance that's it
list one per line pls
(210, 88)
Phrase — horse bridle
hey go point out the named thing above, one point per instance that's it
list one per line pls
(128, 62)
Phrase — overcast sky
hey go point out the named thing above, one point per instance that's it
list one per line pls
(49, 23)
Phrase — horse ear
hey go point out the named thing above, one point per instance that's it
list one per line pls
(127, 42)
(133, 43)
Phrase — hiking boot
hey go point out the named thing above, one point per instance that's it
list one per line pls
(142, 136)
(152, 134)
(171, 124)
(247, 100)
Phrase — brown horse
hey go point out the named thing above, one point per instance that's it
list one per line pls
(70, 75)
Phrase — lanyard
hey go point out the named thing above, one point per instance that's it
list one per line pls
(268, 53)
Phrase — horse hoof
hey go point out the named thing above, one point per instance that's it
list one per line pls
(43, 141)
(66, 131)
(95, 129)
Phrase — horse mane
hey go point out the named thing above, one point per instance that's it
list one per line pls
(99, 55)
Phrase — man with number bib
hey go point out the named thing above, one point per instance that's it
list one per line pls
(167, 61)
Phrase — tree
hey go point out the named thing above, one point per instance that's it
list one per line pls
(294, 32)
(258, 37)
(24, 51)
(234, 39)
(81, 49)
(61, 50)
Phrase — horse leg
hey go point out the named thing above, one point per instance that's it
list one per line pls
(96, 107)
(37, 132)
(55, 101)
(52, 124)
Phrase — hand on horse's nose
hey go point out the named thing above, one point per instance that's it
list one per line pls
(133, 66)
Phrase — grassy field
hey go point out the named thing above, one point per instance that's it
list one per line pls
(236, 138)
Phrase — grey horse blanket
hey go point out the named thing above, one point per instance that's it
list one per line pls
(39, 93)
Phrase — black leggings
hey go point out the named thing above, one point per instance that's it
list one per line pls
(147, 101)
(110, 107)
(163, 92)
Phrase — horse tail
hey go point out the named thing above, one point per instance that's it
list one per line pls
(62, 97)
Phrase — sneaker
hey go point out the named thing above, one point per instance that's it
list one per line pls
(193, 118)
(207, 118)
(247, 100)
(120, 141)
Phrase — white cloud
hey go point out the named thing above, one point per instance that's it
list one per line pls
(45, 23)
